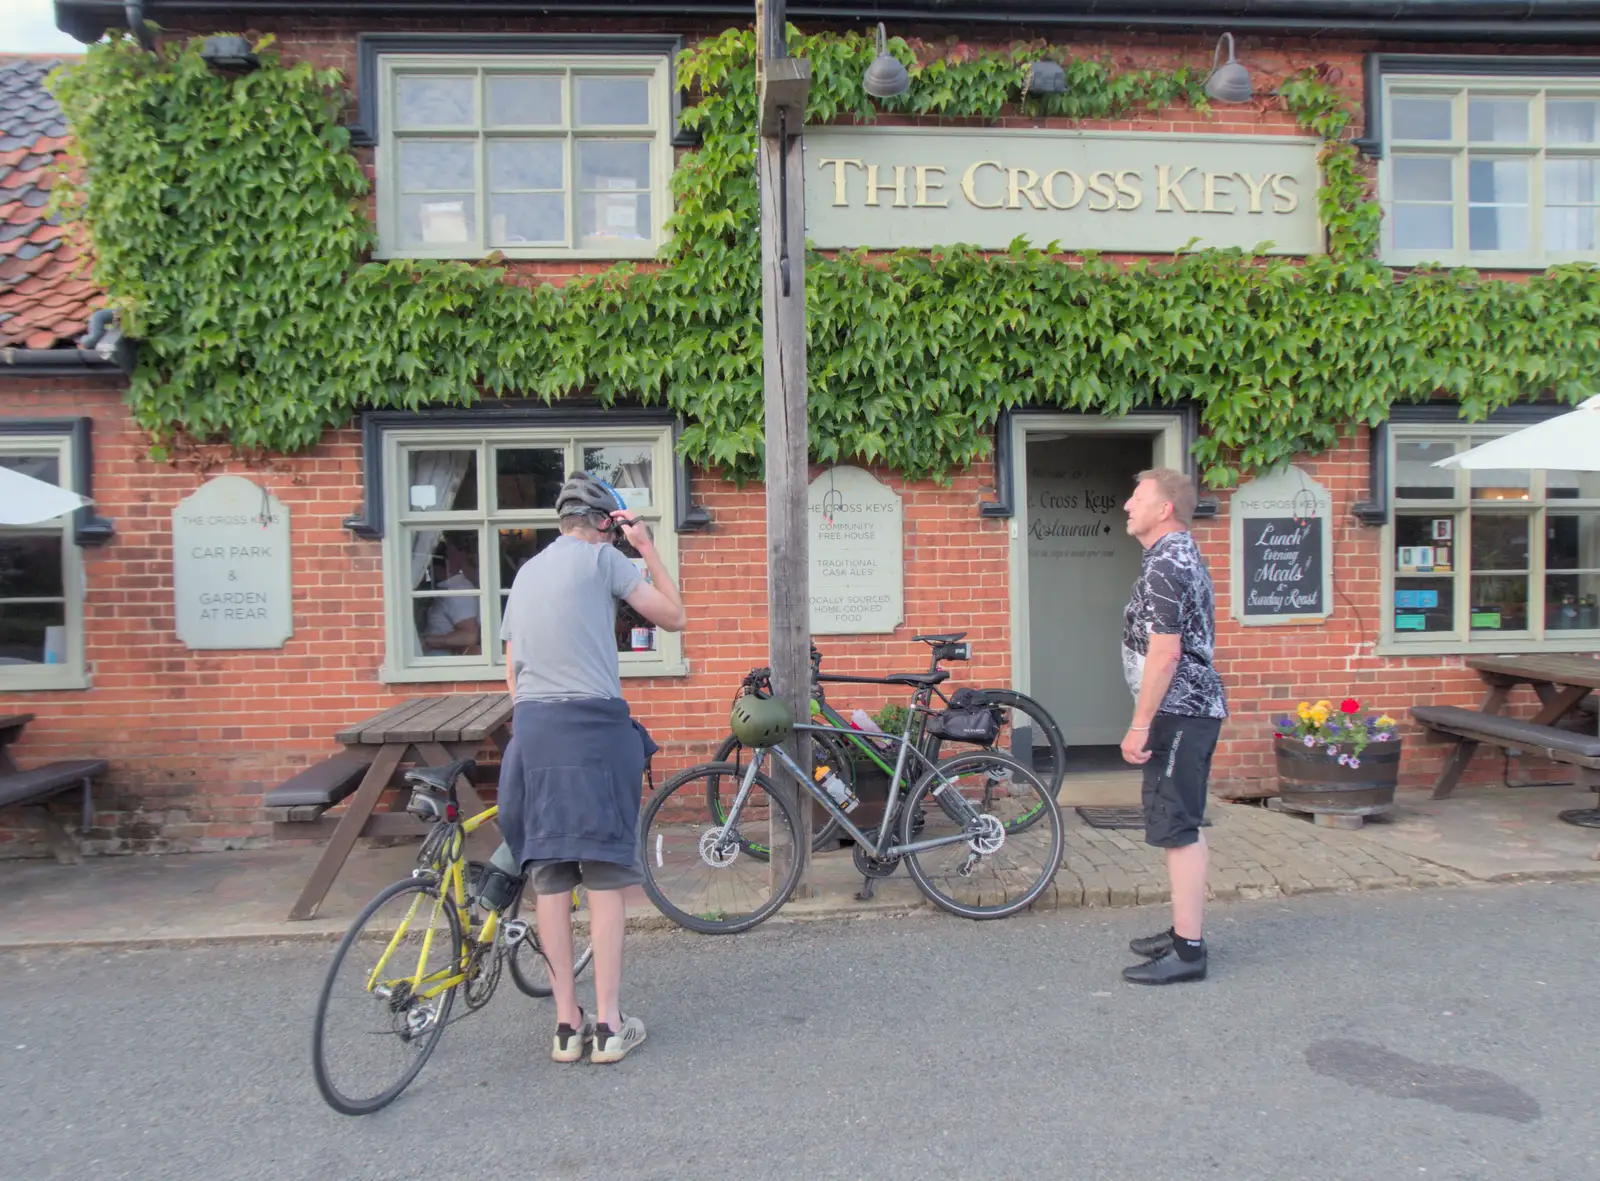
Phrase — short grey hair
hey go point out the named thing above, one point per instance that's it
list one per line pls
(572, 522)
(1176, 489)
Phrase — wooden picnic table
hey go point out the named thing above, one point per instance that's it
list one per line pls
(1561, 679)
(432, 730)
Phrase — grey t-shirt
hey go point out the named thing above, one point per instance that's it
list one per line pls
(561, 619)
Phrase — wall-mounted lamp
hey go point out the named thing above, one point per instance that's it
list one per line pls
(1046, 78)
(885, 77)
(229, 52)
(1230, 81)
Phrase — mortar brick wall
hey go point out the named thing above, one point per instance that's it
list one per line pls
(195, 738)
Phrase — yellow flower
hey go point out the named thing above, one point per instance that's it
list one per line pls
(1304, 711)
(1324, 705)
(1386, 720)
(1319, 714)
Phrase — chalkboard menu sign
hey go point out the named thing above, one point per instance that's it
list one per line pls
(1282, 550)
(1283, 566)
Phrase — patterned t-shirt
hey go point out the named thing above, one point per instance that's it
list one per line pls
(1173, 596)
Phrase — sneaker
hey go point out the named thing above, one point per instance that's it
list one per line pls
(1152, 946)
(569, 1043)
(611, 1046)
(1166, 969)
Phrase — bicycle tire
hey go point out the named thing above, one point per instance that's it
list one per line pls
(1054, 847)
(340, 1102)
(536, 982)
(687, 840)
(1021, 703)
(732, 751)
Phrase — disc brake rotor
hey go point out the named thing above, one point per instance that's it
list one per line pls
(717, 852)
(988, 836)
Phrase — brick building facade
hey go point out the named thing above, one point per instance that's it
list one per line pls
(194, 737)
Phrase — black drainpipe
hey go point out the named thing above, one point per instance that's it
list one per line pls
(134, 10)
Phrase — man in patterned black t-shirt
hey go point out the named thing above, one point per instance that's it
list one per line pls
(1167, 642)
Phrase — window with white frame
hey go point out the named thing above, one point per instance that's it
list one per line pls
(1489, 558)
(1490, 171)
(534, 156)
(466, 508)
(41, 579)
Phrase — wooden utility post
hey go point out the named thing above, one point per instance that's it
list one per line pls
(783, 84)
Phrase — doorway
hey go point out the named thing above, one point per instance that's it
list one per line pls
(1075, 565)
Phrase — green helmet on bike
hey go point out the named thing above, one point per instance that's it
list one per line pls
(762, 721)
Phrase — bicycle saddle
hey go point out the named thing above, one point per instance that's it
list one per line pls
(441, 779)
(941, 638)
(925, 680)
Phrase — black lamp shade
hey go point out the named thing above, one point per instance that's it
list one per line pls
(885, 77)
(1046, 78)
(229, 52)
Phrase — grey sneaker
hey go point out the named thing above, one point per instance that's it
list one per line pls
(613, 1046)
(569, 1043)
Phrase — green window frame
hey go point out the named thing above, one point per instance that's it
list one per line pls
(1520, 569)
(41, 579)
(466, 507)
(1494, 171)
(532, 156)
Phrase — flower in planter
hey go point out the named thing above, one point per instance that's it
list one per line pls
(1344, 733)
(1349, 706)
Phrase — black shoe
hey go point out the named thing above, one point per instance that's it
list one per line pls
(1152, 945)
(1166, 969)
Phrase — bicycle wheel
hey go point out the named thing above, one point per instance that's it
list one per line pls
(1000, 868)
(1029, 735)
(825, 749)
(530, 970)
(700, 875)
(376, 1021)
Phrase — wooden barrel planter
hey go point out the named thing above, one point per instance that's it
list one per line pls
(1334, 793)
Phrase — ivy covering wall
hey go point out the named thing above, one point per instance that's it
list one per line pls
(230, 226)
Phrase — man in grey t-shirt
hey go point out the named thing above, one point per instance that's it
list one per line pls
(571, 778)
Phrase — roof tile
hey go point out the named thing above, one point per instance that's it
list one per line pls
(46, 293)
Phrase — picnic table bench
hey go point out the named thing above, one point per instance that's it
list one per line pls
(1563, 682)
(29, 790)
(424, 731)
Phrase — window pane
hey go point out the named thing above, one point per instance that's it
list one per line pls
(1415, 477)
(1419, 118)
(627, 467)
(39, 467)
(1424, 178)
(635, 633)
(613, 164)
(33, 633)
(1572, 541)
(1489, 484)
(524, 100)
(436, 165)
(1499, 602)
(1572, 601)
(616, 215)
(1423, 227)
(1499, 542)
(1497, 181)
(1571, 190)
(442, 481)
(444, 565)
(613, 102)
(516, 547)
(1497, 196)
(1497, 120)
(526, 164)
(528, 477)
(1569, 228)
(1572, 485)
(439, 219)
(30, 565)
(1571, 121)
(525, 219)
(435, 100)
(1424, 594)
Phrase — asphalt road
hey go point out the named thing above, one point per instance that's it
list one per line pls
(1444, 1034)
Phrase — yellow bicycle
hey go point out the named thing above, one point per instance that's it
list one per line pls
(450, 927)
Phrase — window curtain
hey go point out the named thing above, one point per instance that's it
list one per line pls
(444, 470)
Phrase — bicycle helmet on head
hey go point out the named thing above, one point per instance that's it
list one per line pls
(583, 493)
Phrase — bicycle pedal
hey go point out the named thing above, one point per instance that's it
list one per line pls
(514, 932)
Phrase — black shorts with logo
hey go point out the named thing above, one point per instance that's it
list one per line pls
(1175, 778)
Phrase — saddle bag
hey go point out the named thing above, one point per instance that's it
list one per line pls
(967, 720)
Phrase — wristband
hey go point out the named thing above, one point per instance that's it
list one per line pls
(1138, 727)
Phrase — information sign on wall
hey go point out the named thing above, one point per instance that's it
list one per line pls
(1282, 549)
(857, 554)
(230, 566)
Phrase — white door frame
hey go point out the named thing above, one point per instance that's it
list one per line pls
(1167, 435)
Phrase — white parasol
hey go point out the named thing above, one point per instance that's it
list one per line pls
(1568, 443)
(26, 501)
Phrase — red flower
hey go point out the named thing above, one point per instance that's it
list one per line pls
(1349, 706)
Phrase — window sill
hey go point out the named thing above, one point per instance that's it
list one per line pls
(474, 673)
(1412, 260)
(65, 678)
(623, 251)
(1580, 642)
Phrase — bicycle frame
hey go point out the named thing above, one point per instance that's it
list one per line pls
(453, 889)
(879, 846)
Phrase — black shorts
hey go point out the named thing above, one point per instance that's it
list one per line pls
(1175, 778)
